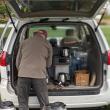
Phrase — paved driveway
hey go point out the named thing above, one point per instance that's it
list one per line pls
(84, 109)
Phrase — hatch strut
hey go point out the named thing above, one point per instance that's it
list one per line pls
(101, 18)
(8, 12)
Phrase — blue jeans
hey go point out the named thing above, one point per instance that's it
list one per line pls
(75, 64)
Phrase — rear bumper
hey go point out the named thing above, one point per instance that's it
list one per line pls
(71, 101)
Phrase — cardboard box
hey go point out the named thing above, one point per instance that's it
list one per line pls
(82, 78)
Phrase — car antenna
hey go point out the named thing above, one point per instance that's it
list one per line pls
(8, 12)
(101, 18)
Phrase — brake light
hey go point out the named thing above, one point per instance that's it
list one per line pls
(108, 57)
(3, 58)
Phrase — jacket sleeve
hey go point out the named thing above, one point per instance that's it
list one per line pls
(19, 56)
(50, 54)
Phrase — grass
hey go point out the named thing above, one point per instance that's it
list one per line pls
(106, 31)
(107, 17)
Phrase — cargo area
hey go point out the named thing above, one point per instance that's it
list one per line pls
(76, 66)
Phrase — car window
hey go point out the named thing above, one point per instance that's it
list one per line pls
(57, 32)
(52, 31)
(81, 32)
(35, 8)
(6, 35)
(30, 5)
(1, 31)
(4, 32)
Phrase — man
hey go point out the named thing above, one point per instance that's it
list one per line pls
(70, 38)
(68, 41)
(34, 56)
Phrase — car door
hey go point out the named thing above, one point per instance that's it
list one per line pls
(55, 8)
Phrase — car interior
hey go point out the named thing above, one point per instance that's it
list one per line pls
(76, 65)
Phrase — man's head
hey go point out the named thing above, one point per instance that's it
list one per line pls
(69, 32)
(41, 33)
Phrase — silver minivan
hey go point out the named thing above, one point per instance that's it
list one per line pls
(90, 53)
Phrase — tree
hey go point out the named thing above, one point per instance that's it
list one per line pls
(3, 10)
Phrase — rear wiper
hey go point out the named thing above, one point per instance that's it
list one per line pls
(65, 19)
(43, 20)
(101, 18)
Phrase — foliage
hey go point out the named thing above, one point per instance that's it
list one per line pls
(3, 12)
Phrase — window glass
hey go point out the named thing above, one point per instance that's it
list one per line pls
(59, 32)
(53, 31)
(40, 5)
(1, 30)
(82, 32)
(6, 35)
(47, 8)
(4, 38)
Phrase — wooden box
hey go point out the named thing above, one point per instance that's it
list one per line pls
(82, 78)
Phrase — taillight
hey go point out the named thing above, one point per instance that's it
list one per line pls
(108, 57)
(3, 58)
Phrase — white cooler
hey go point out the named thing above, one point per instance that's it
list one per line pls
(61, 69)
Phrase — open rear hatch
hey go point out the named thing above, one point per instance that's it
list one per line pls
(56, 8)
(74, 70)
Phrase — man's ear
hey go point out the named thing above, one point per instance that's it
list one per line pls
(43, 36)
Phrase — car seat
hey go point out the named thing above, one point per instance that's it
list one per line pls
(55, 47)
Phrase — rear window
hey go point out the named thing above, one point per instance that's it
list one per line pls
(34, 8)
(41, 5)
(59, 32)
